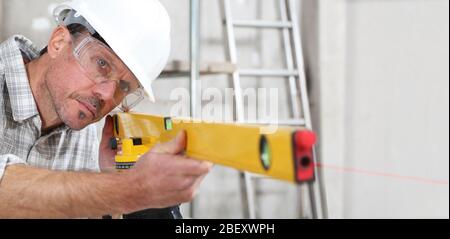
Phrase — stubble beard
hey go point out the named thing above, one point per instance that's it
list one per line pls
(61, 111)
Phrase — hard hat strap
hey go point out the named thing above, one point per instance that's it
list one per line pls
(72, 17)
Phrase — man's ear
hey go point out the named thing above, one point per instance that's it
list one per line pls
(59, 41)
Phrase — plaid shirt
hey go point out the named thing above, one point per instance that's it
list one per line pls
(21, 141)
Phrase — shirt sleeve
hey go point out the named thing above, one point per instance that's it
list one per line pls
(8, 160)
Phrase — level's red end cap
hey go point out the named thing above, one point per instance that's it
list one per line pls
(305, 139)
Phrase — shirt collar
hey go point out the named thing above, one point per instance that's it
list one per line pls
(12, 52)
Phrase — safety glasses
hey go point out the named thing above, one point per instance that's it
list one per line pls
(103, 66)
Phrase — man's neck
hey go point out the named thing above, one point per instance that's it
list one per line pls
(36, 71)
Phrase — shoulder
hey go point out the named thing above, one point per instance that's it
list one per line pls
(16, 44)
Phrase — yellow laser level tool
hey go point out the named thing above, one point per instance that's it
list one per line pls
(285, 154)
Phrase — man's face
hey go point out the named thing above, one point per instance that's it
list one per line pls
(84, 88)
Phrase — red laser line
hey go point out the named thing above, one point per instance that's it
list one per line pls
(382, 174)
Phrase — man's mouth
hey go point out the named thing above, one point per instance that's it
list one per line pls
(89, 108)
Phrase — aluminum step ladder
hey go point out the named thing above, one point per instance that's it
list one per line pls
(299, 102)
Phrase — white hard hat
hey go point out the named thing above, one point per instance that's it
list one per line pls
(137, 31)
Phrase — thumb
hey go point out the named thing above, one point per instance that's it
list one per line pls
(176, 146)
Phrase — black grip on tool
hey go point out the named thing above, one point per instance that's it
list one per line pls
(165, 213)
(113, 143)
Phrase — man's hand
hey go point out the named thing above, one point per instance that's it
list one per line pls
(160, 179)
(106, 154)
(164, 177)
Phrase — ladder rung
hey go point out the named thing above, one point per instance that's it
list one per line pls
(267, 73)
(290, 122)
(179, 68)
(262, 24)
(257, 176)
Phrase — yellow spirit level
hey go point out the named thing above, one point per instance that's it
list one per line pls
(286, 154)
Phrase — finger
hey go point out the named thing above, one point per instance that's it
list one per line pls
(175, 146)
(191, 167)
(185, 182)
(108, 131)
(198, 181)
(180, 165)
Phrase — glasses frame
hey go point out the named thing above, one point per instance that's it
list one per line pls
(139, 92)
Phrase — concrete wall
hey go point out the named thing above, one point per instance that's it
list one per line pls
(397, 97)
(378, 73)
(1, 19)
(382, 70)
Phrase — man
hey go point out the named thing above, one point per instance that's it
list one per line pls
(50, 163)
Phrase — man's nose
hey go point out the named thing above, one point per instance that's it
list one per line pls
(105, 90)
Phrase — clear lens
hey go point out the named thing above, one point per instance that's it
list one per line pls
(132, 100)
(101, 65)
